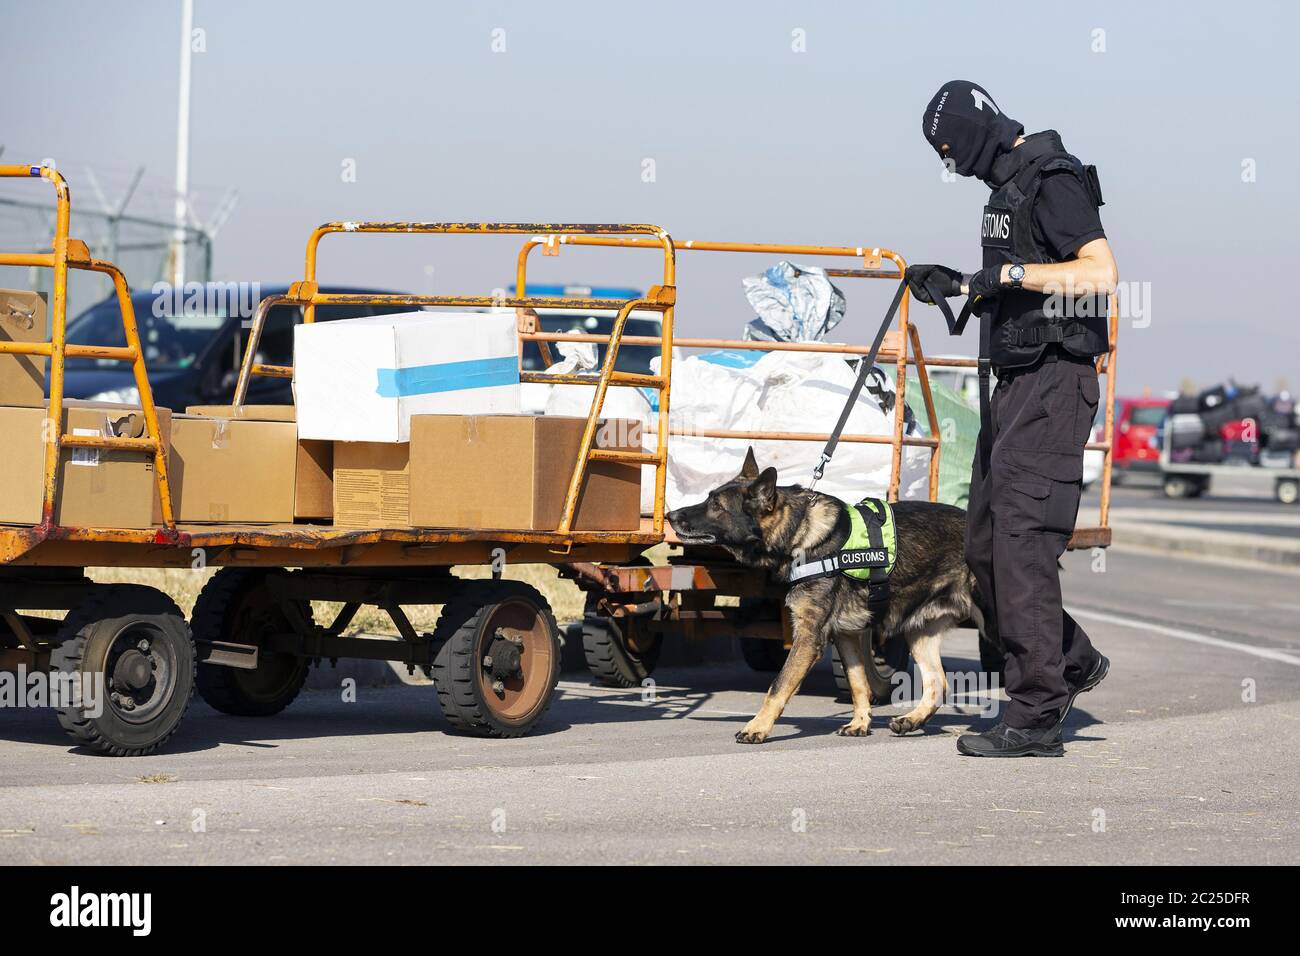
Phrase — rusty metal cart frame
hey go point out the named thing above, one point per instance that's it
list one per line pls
(631, 609)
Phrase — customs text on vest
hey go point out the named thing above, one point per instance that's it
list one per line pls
(1025, 322)
(867, 555)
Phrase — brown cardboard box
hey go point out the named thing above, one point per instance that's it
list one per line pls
(98, 488)
(313, 495)
(232, 470)
(314, 490)
(372, 484)
(22, 319)
(513, 471)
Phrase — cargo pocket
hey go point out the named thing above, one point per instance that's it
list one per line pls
(1062, 508)
(1024, 506)
(1086, 410)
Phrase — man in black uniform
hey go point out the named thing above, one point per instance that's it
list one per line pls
(1042, 307)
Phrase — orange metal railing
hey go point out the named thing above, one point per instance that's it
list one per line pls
(894, 349)
(897, 351)
(72, 253)
(660, 298)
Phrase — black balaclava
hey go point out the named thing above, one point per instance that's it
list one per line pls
(963, 115)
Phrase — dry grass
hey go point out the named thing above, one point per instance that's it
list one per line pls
(184, 585)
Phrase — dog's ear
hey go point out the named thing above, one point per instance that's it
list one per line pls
(762, 491)
(750, 468)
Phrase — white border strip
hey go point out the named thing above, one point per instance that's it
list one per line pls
(1268, 653)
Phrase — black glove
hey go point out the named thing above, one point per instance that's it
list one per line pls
(946, 282)
(986, 283)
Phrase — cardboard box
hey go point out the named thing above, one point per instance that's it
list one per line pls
(23, 319)
(361, 380)
(232, 470)
(372, 485)
(98, 488)
(512, 472)
(313, 492)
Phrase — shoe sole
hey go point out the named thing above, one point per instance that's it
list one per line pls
(1069, 704)
(1035, 750)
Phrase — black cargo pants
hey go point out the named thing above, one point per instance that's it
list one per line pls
(1020, 517)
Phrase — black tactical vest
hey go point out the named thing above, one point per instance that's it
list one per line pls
(1025, 322)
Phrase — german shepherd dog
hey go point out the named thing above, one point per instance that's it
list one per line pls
(931, 589)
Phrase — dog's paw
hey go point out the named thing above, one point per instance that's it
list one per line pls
(901, 725)
(855, 728)
(750, 734)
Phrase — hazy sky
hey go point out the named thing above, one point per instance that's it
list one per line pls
(750, 141)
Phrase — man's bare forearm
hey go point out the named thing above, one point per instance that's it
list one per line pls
(1092, 271)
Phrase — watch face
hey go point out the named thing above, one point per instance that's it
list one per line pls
(1017, 273)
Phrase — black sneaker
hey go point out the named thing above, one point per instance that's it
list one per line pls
(1004, 741)
(1095, 677)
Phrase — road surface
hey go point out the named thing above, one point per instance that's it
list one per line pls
(1186, 754)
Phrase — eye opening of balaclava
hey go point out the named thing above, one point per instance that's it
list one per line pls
(964, 116)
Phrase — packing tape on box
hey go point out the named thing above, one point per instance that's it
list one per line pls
(448, 377)
(220, 432)
(24, 319)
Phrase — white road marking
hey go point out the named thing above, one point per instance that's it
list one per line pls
(1208, 605)
(1268, 653)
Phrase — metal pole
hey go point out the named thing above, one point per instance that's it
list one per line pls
(182, 145)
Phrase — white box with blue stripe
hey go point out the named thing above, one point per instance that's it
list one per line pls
(363, 379)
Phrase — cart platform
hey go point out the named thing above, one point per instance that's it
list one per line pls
(298, 545)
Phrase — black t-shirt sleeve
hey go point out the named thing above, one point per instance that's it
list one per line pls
(1065, 217)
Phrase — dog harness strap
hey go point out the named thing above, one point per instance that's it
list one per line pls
(877, 573)
(815, 569)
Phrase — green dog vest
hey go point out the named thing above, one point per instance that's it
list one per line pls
(868, 554)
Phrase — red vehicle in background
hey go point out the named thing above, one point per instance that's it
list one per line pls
(1137, 443)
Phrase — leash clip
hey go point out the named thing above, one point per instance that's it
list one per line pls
(819, 469)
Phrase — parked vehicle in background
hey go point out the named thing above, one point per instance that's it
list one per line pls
(631, 358)
(964, 381)
(193, 349)
(1137, 436)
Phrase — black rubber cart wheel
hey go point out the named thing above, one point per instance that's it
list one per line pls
(882, 665)
(620, 651)
(498, 658)
(237, 605)
(763, 655)
(133, 653)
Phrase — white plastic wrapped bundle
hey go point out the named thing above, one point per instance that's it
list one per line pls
(780, 392)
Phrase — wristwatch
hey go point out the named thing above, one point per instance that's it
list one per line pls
(1017, 275)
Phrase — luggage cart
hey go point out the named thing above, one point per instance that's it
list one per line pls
(1193, 479)
(631, 610)
(124, 659)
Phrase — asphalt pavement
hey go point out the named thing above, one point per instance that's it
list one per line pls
(1186, 754)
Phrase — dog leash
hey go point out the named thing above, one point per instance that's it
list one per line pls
(955, 327)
